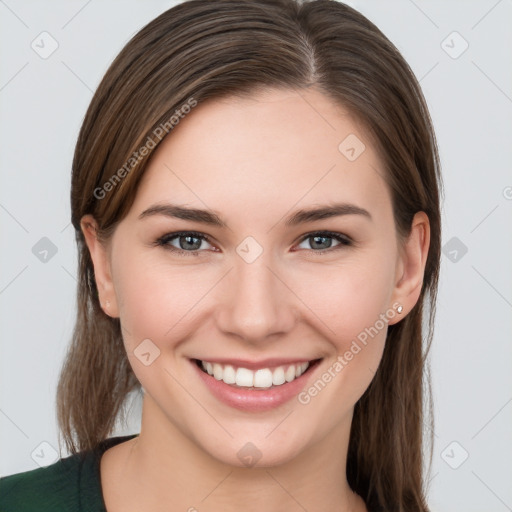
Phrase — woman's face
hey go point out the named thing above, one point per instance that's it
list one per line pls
(263, 285)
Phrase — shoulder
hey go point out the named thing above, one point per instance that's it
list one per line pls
(71, 484)
(54, 487)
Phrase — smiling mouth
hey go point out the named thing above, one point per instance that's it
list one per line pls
(261, 379)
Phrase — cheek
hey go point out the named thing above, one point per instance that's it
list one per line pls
(156, 301)
(349, 298)
(354, 318)
(156, 307)
(353, 309)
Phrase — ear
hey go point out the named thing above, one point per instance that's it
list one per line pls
(411, 266)
(101, 262)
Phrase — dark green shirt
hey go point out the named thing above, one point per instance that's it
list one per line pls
(71, 484)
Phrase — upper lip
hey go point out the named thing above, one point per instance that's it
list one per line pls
(255, 365)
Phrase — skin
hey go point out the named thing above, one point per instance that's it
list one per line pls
(253, 161)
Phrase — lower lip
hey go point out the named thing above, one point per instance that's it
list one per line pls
(255, 400)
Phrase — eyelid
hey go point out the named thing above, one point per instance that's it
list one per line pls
(167, 237)
(341, 237)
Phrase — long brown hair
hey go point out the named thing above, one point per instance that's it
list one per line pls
(205, 49)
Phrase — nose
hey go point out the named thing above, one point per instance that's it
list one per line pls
(255, 303)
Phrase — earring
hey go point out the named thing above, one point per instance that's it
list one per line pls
(107, 304)
(399, 309)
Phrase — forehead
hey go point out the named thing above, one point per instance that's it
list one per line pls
(265, 152)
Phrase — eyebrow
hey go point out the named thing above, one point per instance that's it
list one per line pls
(211, 218)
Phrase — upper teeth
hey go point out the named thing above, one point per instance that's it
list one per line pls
(263, 378)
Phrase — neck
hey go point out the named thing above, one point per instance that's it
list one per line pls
(164, 469)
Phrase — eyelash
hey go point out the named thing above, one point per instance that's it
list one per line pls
(163, 241)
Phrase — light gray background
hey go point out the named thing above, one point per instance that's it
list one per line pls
(42, 103)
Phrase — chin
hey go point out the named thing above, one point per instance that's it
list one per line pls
(255, 451)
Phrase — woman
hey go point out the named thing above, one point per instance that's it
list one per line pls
(255, 194)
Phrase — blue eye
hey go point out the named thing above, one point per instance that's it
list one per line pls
(189, 242)
(186, 239)
(320, 237)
